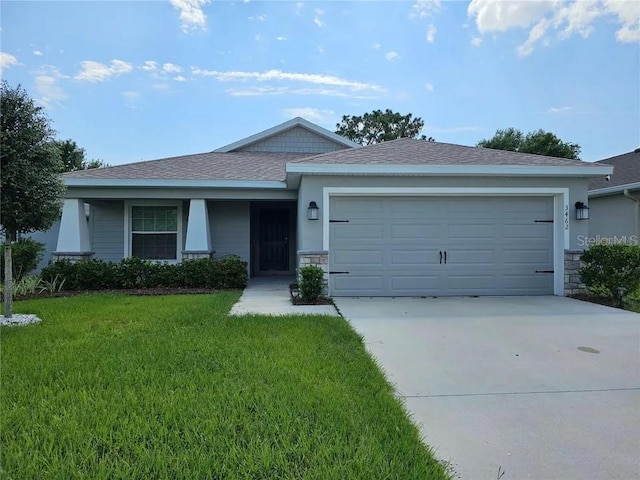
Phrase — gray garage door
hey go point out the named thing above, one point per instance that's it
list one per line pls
(439, 246)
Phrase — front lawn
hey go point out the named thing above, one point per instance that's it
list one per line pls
(114, 386)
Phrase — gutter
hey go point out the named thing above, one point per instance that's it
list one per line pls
(627, 194)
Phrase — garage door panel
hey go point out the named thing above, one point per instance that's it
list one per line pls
(358, 257)
(391, 246)
(414, 257)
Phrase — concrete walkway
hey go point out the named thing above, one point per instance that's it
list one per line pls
(544, 388)
(270, 296)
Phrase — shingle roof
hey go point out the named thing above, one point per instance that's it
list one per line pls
(253, 166)
(411, 151)
(203, 166)
(626, 170)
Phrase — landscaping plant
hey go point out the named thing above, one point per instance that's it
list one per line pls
(25, 256)
(311, 283)
(607, 267)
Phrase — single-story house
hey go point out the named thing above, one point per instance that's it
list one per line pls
(401, 218)
(614, 201)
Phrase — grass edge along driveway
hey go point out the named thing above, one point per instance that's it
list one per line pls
(114, 386)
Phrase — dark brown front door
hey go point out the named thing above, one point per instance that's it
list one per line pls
(274, 240)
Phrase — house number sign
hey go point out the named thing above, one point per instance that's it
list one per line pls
(566, 217)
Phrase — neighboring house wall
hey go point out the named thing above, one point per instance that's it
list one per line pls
(310, 234)
(107, 230)
(294, 140)
(612, 217)
(50, 240)
(229, 222)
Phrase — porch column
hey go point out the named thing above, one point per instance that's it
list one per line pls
(198, 241)
(73, 238)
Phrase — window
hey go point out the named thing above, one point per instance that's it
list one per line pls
(154, 232)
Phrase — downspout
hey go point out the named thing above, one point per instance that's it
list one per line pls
(637, 200)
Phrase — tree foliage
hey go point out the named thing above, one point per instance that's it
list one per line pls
(538, 142)
(30, 185)
(379, 126)
(74, 158)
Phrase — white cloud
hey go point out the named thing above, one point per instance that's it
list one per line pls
(130, 98)
(180, 78)
(37, 53)
(542, 17)
(191, 15)
(7, 60)
(328, 92)
(279, 75)
(428, 87)
(431, 33)
(281, 38)
(319, 22)
(149, 66)
(47, 88)
(171, 68)
(308, 113)
(320, 49)
(628, 13)
(391, 56)
(424, 8)
(558, 109)
(377, 46)
(98, 72)
(476, 41)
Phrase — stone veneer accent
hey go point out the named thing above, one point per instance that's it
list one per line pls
(572, 282)
(319, 258)
(73, 257)
(196, 255)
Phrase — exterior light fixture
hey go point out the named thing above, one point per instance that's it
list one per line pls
(312, 211)
(582, 211)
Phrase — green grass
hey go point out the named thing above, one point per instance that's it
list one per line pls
(112, 386)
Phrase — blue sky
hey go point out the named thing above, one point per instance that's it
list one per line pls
(133, 81)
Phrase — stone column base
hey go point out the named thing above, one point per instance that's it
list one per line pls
(73, 257)
(196, 255)
(572, 282)
(319, 258)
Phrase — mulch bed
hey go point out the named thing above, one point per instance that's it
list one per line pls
(586, 297)
(319, 301)
(129, 291)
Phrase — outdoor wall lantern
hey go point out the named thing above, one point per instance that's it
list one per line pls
(312, 211)
(582, 211)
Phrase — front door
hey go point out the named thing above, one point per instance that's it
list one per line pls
(274, 240)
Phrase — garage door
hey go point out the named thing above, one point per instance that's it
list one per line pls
(441, 246)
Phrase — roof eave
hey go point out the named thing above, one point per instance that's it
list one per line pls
(599, 192)
(162, 183)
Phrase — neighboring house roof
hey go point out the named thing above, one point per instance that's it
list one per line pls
(283, 127)
(625, 176)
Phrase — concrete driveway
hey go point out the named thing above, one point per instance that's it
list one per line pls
(542, 387)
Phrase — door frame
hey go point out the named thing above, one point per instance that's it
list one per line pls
(257, 210)
(561, 211)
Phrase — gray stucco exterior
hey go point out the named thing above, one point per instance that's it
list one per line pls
(614, 218)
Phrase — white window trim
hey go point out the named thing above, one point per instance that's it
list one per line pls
(128, 234)
(561, 223)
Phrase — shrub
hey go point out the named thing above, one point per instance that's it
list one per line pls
(25, 256)
(607, 267)
(134, 273)
(311, 283)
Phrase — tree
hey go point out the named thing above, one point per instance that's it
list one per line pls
(538, 142)
(31, 187)
(73, 157)
(379, 126)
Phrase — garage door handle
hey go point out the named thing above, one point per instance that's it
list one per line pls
(441, 257)
(445, 257)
